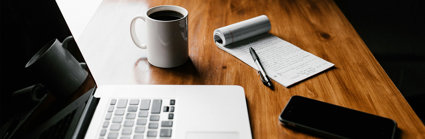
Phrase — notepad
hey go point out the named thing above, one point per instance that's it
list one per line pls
(283, 62)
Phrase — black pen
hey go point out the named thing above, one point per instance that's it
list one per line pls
(264, 78)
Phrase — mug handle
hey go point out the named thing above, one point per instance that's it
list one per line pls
(133, 32)
(65, 45)
(66, 41)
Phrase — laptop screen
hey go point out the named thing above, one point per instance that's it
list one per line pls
(27, 28)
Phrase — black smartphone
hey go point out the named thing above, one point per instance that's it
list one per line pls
(334, 121)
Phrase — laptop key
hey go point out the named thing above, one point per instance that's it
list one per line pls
(167, 124)
(138, 137)
(105, 124)
(102, 132)
(172, 109)
(117, 120)
(119, 112)
(166, 109)
(153, 126)
(140, 129)
(115, 127)
(128, 123)
(112, 135)
(113, 102)
(172, 102)
(132, 108)
(165, 133)
(156, 106)
(170, 116)
(141, 121)
(154, 118)
(152, 133)
(126, 131)
(122, 103)
(143, 113)
(134, 102)
(145, 104)
(131, 115)
(111, 108)
(108, 116)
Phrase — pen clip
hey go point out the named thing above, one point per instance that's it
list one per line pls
(266, 82)
(262, 78)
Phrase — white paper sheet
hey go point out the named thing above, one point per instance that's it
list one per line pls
(283, 61)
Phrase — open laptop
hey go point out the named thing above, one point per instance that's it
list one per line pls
(152, 111)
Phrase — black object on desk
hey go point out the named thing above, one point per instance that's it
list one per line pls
(332, 121)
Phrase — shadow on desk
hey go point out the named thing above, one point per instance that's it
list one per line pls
(393, 30)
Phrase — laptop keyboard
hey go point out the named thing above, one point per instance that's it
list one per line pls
(138, 118)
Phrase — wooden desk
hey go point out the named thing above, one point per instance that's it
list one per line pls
(317, 26)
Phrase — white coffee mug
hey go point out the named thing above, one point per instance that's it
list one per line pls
(57, 68)
(167, 39)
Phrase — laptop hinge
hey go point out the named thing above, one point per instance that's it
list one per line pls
(86, 116)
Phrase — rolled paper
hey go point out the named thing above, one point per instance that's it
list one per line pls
(242, 30)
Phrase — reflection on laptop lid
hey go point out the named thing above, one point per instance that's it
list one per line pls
(27, 27)
(26, 93)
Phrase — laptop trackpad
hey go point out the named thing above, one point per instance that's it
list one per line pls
(212, 135)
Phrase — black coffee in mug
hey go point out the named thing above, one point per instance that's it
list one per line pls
(166, 15)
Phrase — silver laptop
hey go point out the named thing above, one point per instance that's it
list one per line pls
(152, 111)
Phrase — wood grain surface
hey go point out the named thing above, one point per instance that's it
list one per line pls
(318, 26)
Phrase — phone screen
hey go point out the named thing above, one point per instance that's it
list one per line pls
(335, 121)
